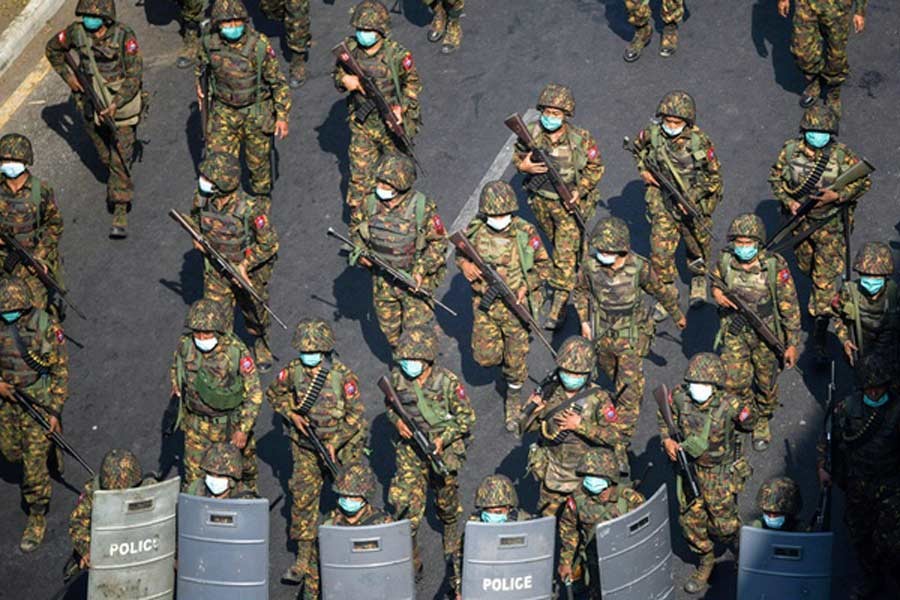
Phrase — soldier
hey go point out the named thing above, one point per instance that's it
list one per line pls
(215, 379)
(780, 502)
(320, 393)
(33, 360)
(805, 168)
(191, 17)
(223, 468)
(819, 43)
(600, 497)
(639, 15)
(708, 417)
(393, 70)
(512, 246)
(578, 161)
(237, 225)
(764, 281)
(295, 15)
(249, 95)
(574, 417)
(437, 401)
(868, 310)
(609, 300)
(684, 154)
(401, 226)
(29, 213)
(111, 57)
(355, 487)
(445, 24)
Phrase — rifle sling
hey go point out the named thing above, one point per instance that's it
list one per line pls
(568, 403)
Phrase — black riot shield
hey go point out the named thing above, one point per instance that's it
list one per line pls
(779, 564)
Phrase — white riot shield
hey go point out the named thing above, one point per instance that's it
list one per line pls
(781, 565)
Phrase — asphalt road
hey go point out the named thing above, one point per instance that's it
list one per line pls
(735, 60)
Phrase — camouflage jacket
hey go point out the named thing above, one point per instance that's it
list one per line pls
(33, 218)
(582, 512)
(367, 515)
(80, 518)
(240, 220)
(874, 321)
(838, 6)
(42, 370)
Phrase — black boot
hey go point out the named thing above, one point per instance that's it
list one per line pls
(820, 332)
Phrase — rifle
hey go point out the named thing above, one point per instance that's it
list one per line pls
(371, 91)
(822, 518)
(320, 449)
(671, 189)
(395, 274)
(37, 269)
(545, 387)
(85, 80)
(223, 264)
(496, 286)
(419, 438)
(685, 466)
(28, 404)
(517, 125)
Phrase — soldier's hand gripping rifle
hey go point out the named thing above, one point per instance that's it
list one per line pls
(309, 399)
(28, 403)
(321, 450)
(497, 286)
(822, 517)
(396, 274)
(685, 466)
(426, 447)
(223, 264)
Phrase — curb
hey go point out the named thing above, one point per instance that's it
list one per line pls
(19, 33)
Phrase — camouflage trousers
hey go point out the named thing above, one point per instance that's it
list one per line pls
(397, 309)
(199, 434)
(639, 12)
(564, 234)
(872, 516)
(665, 234)
(306, 491)
(369, 141)
(192, 13)
(623, 362)
(295, 15)
(550, 501)
(749, 363)
(229, 128)
(498, 337)
(821, 256)
(451, 6)
(713, 516)
(819, 39)
(222, 290)
(119, 185)
(23, 440)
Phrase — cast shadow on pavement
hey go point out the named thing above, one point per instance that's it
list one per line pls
(160, 12)
(352, 291)
(190, 279)
(769, 29)
(459, 298)
(334, 138)
(193, 133)
(61, 119)
(274, 450)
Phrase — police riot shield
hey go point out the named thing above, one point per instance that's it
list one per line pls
(223, 548)
(133, 542)
(634, 553)
(512, 560)
(781, 564)
(370, 561)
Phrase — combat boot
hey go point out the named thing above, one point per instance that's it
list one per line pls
(512, 406)
(640, 40)
(438, 22)
(263, 355)
(296, 573)
(298, 69)
(811, 93)
(190, 45)
(35, 528)
(833, 99)
(698, 291)
(556, 316)
(453, 38)
(761, 435)
(820, 334)
(669, 43)
(660, 314)
(119, 228)
(700, 576)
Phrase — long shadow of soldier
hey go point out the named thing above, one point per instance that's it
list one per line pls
(193, 130)
(274, 450)
(458, 297)
(190, 279)
(768, 27)
(382, 456)
(161, 12)
(62, 119)
(631, 208)
(334, 138)
(352, 290)
(413, 10)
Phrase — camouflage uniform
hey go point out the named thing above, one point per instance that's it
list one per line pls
(393, 70)
(516, 252)
(30, 214)
(578, 161)
(222, 459)
(780, 496)
(249, 94)
(34, 360)
(712, 442)
(115, 65)
(690, 162)
(445, 24)
(295, 16)
(219, 391)
(191, 17)
(765, 283)
(238, 226)
(335, 411)
(639, 14)
(408, 234)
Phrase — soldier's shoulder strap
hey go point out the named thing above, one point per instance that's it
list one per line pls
(235, 349)
(394, 53)
(526, 251)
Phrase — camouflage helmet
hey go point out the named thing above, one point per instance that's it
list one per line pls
(417, 344)
(120, 470)
(555, 95)
(355, 480)
(874, 370)
(14, 295)
(223, 170)
(678, 104)
(397, 170)
(705, 367)
(611, 235)
(747, 225)
(97, 8)
(599, 462)
(819, 118)
(371, 15)
(495, 491)
(205, 315)
(313, 335)
(228, 10)
(497, 198)
(223, 459)
(780, 495)
(15, 146)
(874, 258)
(576, 355)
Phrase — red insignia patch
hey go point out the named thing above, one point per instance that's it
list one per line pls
(131, 46)
(61, 37)
(282, 376)
(836, 301)
(271, 51)
(60, 336)
(534, 242)
(641, 135)
(260, 221)
(438, 224)
(247, 252)
(745, 414)
(711, 154)
(570, 503)
(609, 413)
(349, 389)
(247, 365)
(593, 152)
(784, 275)
(408, 61)
(461, 392)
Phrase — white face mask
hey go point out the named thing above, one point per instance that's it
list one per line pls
(700, 392)
(385, 194)
(205, 345)
(606, 259)
(499, 223)
(672, 131)
(12, 169)
(206, 186)
(216, 485)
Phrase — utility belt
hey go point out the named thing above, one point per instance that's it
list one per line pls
(213, 419)
(362, 108)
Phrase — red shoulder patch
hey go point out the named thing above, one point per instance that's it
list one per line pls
(570, 503)
(131, 46)
(61, 37)
(260, 221)
(836, 301)
(461, 392)
(408, 62)
(593, 152)
(270, 51)
(711, 154)
(60, 336)
(534, 242)
(350, 389)
(641, 135)
(282, 375)
(744, 414)
(247, 365)
(610, 414)
(784, 275)
(248, 252)
(438, 224)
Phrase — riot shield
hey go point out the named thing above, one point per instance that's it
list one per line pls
(133, 542)
(223, 548)
(371, 561)
(634, 553)
(512, 560)
(781, 564)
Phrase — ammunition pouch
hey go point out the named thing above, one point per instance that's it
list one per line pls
(362, 108)
(695, 445)
(487, 300)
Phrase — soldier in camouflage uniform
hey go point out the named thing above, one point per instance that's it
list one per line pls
(29, 213)
(316, 391)
(110, 52)
(237, 225)
(764, 281)
(436, 400)
(249, 96)
(512, 246)
(684, 153)
(710, 419)
(392, 68)
(639, 16)
(806, 166)
(866, 466)
(223, 469)
(191, 17)
(601, 497)
(609, 298)
(295, 16)
(445, 23)
(578, 161)
(215, 379)
(33, 360)
(780, 502)
(821, 29)
(401, 226)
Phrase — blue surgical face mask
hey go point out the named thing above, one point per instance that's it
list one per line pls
(205, 186)
(774, 522)
(489, 517)
(12, 169)
(672, 133)
(595, 485)
(746, 253)
(366, 39)
(817, 139)
(351, 506)
(875, 403)
(11, 316)
(310, 359)
(92, 23)
(412, 368)
(871, 285)
(385, 194)
(551, 124)
(233, 33)
(572, 381)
